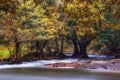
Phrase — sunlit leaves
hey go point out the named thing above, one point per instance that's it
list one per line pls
(46, 19)
(59, 3)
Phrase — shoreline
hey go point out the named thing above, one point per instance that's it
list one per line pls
(108, 66)
(105, 66)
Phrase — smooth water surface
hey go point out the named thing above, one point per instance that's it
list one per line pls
(36, 71)
(54, 74)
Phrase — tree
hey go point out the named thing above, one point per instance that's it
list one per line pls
(82, 16)
(27, 24)
(110, 27)
(41, 21)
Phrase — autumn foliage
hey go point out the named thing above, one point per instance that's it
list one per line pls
(43, 21)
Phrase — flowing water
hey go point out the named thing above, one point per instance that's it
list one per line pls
(36, 71)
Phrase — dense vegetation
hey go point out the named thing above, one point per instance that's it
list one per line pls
(45, 27)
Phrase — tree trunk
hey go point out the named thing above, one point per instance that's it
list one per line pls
(17, 54)
(76, 49)
(17, 44)
(62, 45)
(83, 50)
(39, 50)
(56, 48)
(61, 48)
(83, 46)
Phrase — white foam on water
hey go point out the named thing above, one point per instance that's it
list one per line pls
(39, 63)
(101, 56)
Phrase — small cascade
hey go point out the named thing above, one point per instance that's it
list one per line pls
(39, 63)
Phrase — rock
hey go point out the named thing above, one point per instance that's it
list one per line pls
(93, 64)
(98, 62)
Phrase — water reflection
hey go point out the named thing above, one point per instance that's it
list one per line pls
(53, 74)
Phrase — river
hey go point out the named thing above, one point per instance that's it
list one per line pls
(36, 71)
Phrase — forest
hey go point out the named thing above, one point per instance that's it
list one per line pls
(55, 29)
